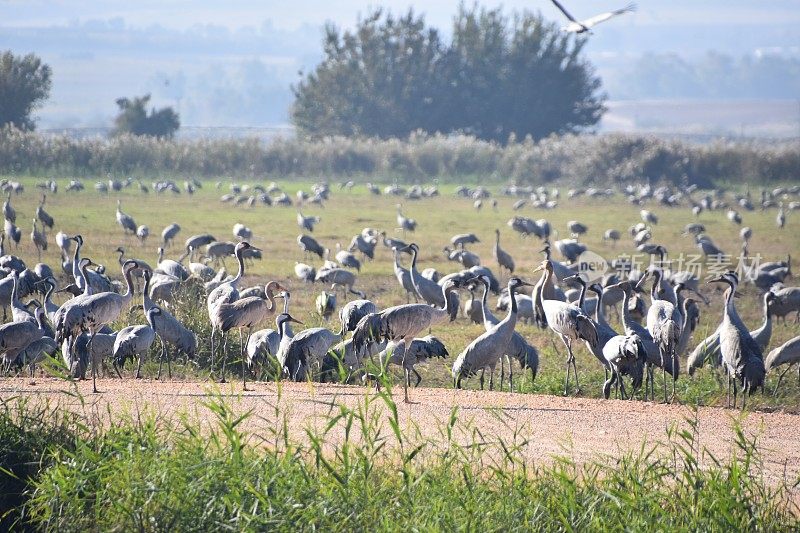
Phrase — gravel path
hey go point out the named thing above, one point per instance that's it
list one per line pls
(584, 429)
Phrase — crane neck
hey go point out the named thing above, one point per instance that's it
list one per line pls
(626, 300)
(84, 275)
(121, 253)
(14, 285)
(269, 290)
(240, 260)
(147, 302)
(128, 282)
(582, 298)
(48, 295)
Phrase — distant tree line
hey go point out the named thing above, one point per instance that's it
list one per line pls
(712, 75)
(498, 78)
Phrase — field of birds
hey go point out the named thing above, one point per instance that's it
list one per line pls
(349, 483)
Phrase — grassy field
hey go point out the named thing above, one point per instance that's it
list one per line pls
(275, 231)
(58, 472)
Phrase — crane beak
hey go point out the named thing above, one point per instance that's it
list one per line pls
(716, 280)
(538, 269)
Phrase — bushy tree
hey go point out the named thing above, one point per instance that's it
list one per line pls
(24, 85)
(133, 118)
(498, 77)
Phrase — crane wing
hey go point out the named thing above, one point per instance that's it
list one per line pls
(593, 21)
(566, 13)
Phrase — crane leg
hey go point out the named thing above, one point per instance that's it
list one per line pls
(94, 363)
(419, 378)
(491, 379)
(510, 375)
(622, 389)
(213, 331)
(405, 388)
(241, 354)
(224, 355)
(482, 372)
(664, 374)
(607, 385)
(502, 370)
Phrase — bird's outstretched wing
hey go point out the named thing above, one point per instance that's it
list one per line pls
(566, 13)
(593, 21)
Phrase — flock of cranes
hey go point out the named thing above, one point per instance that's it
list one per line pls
(651, 340)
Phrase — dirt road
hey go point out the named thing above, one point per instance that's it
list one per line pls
(584, 429)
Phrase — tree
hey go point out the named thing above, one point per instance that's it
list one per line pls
(133, 118)
(24, 85)
(496, 78)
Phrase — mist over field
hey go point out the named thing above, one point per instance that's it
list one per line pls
(716, 67)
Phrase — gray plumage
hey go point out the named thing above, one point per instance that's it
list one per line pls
(95, 311)
(309, 245)
(419, 351)
(352, 312)
(15, 337)
(404, 223)
(169, 233)
(8, 212)
(742, 358)
(142, 233)
(325, 304)
(463, 239)
(403, 276)
(363, 245)
(426, 289)
(486, 350)
(624, 355)
(518, 348)
(263, 345)
(197, 241)
(339, 277)
(305, 272)
(307, 223)
(788, 354)
(169, 328)
(664, 323)
(135, 341)
(503, 258)
(125, 221)
(347, 259)
(304, 350)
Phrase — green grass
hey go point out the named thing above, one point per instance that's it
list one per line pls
(149, 475)
(275, 229)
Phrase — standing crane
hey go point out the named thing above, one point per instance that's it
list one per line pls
(96, 311)
(427, 289)
(226, 292)
(741, 355)
(568, 321)
(664, 324)
(244, 314)
(518, 348)
(490, 346)
(135, 341)
(266, 342)
(126, 221)
(42, 215)
(39, 240)
(169, 329)
(8, 212)
(404, 322)
(404, 223)
(418, 352)
(625, 354)
(503, 258)
(15, 337)
(403, 276)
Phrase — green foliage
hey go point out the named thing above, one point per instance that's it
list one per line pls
(134, 119)
(497, 79)
(595, 160)
(148, 475)
(24, 84)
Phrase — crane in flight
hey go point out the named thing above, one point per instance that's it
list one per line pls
(582, 26)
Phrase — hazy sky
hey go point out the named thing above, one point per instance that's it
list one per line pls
(239, 13)
(231, 62)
